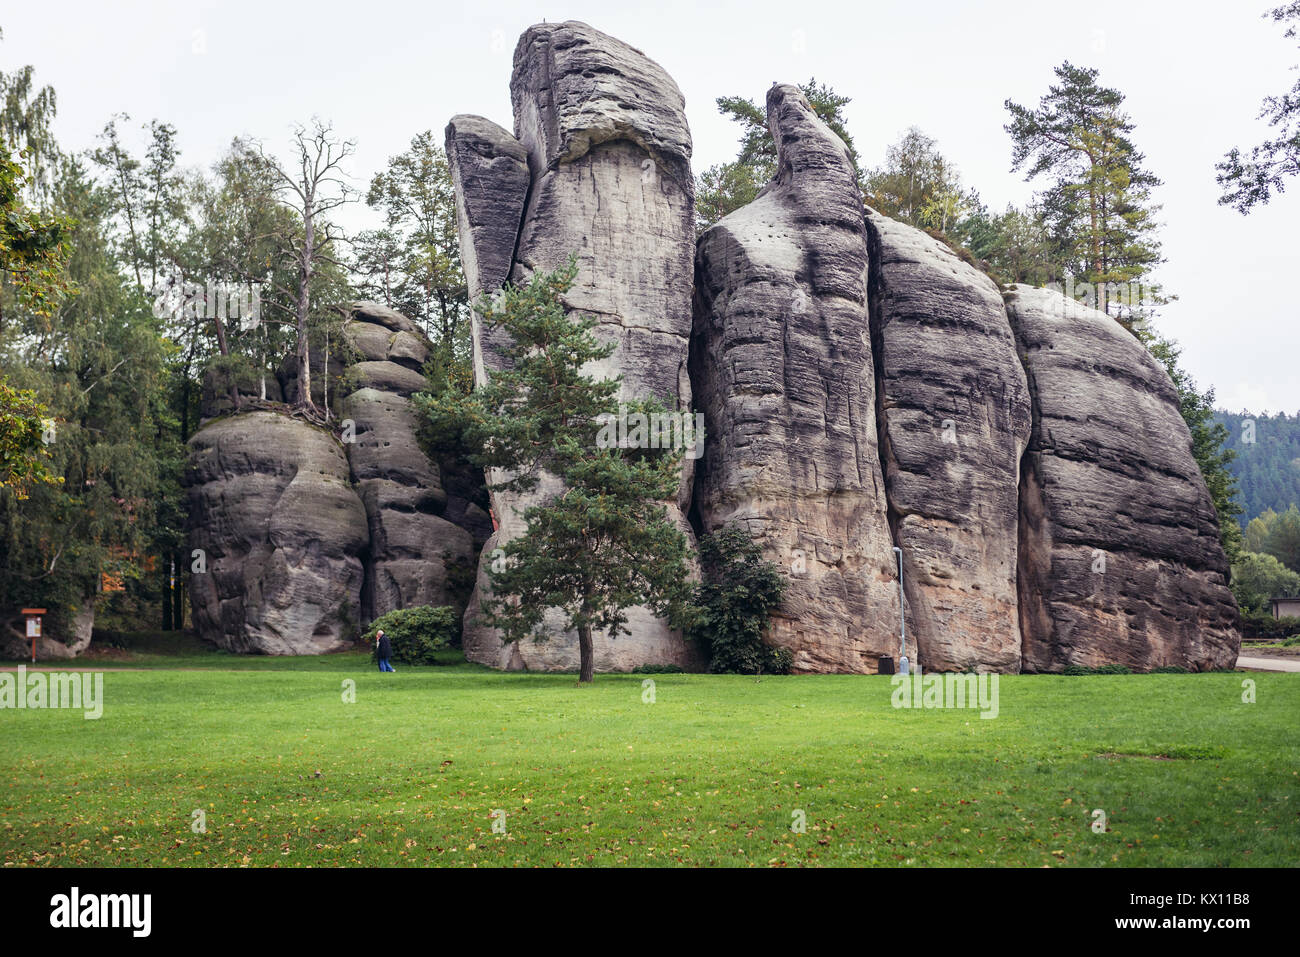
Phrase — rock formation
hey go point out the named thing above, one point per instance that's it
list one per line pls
(1120, 561)
(782, 367)
(954, 421)
(308, 534)
(281, 531)
(598, 166)
(412, 547)
(862, 386)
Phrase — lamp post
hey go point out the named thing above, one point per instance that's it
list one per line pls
(902, 623)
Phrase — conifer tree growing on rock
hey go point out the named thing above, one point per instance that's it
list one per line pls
(603, 543)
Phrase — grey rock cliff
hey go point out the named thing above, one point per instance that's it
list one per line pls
(308, 533)
(782, 367)
(955, 418)
(282, 532)
(413, 548)
(1120, 560)
(601, 131)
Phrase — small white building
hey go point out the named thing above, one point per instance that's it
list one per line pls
(1285, 607)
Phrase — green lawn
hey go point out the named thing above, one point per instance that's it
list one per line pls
(288, 773)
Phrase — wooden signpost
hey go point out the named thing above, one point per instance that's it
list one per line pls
(33, 627)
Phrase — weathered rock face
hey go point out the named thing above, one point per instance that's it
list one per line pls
(862, 388)
(782, 367)
(413, 548)
(489, 170)
(601, 134)
(272, 507)
(1120, 561)
(389, 536)
(954, 418)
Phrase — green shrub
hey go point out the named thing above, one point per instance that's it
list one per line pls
(658, 670)
(416, 634)
(1262, 624)
(738, 592)
(781, 662)
(1101, 670)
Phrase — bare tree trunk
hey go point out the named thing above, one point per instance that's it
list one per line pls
(178, 593)
(304, 307)
(224, 348)
(586, 670)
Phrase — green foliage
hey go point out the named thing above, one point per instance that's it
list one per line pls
(722, 189)
(1277, 534)
(1208, 438)
(1100, 670)
(1258, 577)
(100, 365)
(602, 543)
(417, 634)
(1014, 246)
(1262, 624)
(1267, 460)
(725, 187)
(23, 456)
(34, 246)
(1097, 206)
(738, 591)
(1247, 183)
(918, 185)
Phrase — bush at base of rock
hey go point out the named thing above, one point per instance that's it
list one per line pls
(417, 634)
(739, 590)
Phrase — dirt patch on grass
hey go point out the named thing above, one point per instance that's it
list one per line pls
(1121, 754)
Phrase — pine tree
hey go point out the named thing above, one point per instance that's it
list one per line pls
(1098, 206)
(604, 543)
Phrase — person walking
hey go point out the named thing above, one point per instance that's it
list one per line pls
(384, 650)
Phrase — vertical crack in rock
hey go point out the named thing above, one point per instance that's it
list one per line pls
(489, 174)
(954, 420)
(781, 366)
(599, 166)
(413, 545)
(888, 463)
(1120, 555)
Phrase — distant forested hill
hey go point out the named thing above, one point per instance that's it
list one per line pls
(1268, 469)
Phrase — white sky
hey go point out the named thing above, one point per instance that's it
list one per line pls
(1194, 74)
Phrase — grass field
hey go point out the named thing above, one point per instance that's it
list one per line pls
(288, 773)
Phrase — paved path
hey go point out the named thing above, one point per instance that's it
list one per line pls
(1268, 664)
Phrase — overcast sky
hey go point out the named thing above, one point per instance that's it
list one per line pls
(381, 71)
